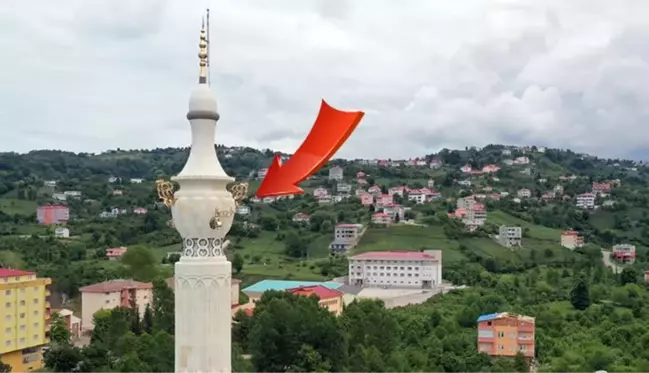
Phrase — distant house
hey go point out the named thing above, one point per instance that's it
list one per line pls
(466, 169)
(50, 183)
(140, 211)
(52, 214)
(524, 193)
(118, 192)
(624, 253)
(435, 163)
(336, 173)
(243, 210)
(343, 188)
(402, 269)
(375, 190)
(137, 181)
(586, 201)
(61, 232)
(571, 239)
(646, 276)
(381, 218)
(330, 299)
(602, 189)
(384, 199)
(346, 237)
(367, 199)
(112, 179)
(115, 253)
(72, 193)
(522, 160)
(360, 175)
(254, 292)
(59, 197)
(301, 217)
(319, 192)
(510, 236)
(262, 173)
(72, 322)
(111, 294)
(506, 334)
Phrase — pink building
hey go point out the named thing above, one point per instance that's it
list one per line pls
(381, 218)
(111, 294)
(115, 253)
(374, 189)
(367, 199)
(139, 211)
(52, 214)
(384, 199)
(624, 253)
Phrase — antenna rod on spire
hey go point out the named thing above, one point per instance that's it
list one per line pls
(209, 71)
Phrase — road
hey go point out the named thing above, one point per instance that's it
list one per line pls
(606, 258)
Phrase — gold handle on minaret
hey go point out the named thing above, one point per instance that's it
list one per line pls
(239, 192)
(165, 192)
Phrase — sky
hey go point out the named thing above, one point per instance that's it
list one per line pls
(93, 75)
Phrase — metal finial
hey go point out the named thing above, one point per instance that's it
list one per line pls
(203, 55)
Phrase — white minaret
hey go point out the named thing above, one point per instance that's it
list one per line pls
(203, 210)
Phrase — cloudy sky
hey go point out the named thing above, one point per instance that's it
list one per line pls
(91, 75)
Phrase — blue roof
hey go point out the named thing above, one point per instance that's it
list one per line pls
(282, 285)
(487, 317)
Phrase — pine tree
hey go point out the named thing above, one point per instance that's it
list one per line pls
(580, 295)
(147, 320)
(136, 328)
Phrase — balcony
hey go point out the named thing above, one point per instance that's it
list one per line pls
(47, 304)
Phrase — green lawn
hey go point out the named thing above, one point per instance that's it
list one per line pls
(411, 238)
(265, 257)
(535, 231)
(17, 206)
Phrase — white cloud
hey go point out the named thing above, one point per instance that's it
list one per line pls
(88, 75)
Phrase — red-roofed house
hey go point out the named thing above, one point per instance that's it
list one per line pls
(115, 253)
(396, 269)
(466, 169)
(399, 190)
(602, 188)
(112, 294)
(571, 239)
(384, 199)
(381, 218)
(367, 199)
(330, 299)
(374, 189)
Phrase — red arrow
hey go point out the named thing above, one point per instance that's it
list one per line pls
(331, 129)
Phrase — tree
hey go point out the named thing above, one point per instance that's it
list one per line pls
(520, 364)
(237, 263)
(628, 276)
(4, 368)
(62, 358)
(59, 332)
(580, 295)
(140, 263)
(163, 306)
(147, 319)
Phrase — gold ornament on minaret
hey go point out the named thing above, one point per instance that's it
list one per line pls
(165, 192)
(203, 55)
(239, 192)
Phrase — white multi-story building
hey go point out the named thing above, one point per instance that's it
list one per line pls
(396, 269)
(586, 200)
(343, 188)
(346, 236)
(571, 239)
(262, 173)
(510, 236)
(336, 173)
(524, 193)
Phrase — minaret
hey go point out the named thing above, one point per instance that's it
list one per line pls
(203, 211)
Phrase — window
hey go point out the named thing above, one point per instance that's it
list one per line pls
(35, 336)
(22, 340)
(35, 325)
(22, 291)
(500, 347)
(22, 328)
(107, 301)
(501, 334)
(8, 330)
(22, 302)
(8, 317)
(22, 315)
(7, 343)
(7, 292)
(8, 305)
(35, 313)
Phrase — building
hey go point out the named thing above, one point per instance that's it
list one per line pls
(301, 217)
(510, 236)
(336, 173)
(343, 188)
(624, 253)
(367, 199)
(330, 299)
(586, 201)
(396, 269)
(140, 211)
(243, 210)
(111, 294)
(646, 276)
(137, 180)
(115, 253)
(254, 292)
(52, 214)
(505, 334)
(524, 193)
(262, 173)
(25, 320)
(602, 189)
(381, 218)
(346, 237)
(72, 322)
(571, 239)
(61, 232)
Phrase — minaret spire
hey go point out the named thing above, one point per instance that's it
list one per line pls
(203, 55)
(209, 47)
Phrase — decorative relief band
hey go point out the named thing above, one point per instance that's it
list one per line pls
(203, 247)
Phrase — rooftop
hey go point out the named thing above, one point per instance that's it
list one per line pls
(403, 255)
(282, 285)
(494, 316)
(6, 272)
(319, 290)
(115, 285)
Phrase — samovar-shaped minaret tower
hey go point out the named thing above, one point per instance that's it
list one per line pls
(203, 210)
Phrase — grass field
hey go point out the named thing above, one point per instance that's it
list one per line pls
(17, 206)
(265, 257)
(535, 231)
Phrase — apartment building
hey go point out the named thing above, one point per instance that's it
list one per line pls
(346, 236)
(25, 315)
(336, 173)
(112, 294)
(52, 214)
(510, 236)
(571, 239)
(586, 200)
(624, 252)
(381, 218)
(505, 334)
(396, 269)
